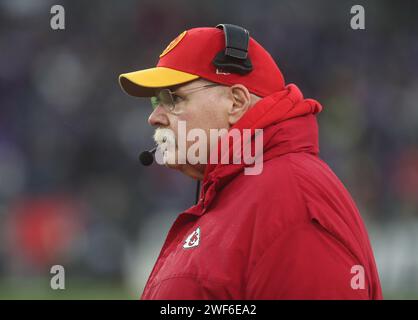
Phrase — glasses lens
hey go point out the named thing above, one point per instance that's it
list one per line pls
(165, 98)
(155, 102)
(162, 98)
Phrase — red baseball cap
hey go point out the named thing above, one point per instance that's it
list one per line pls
(189, 56)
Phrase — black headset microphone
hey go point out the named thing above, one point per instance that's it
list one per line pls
(147, 157)
(233, 59)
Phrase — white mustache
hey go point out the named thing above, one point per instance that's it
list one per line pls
(164, 136)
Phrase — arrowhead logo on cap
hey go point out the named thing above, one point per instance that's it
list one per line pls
(173, 44)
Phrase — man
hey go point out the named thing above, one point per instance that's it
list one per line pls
(287, 231)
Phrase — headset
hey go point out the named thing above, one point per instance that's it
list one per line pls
(233, 59)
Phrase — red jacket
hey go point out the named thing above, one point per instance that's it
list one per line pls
(292, 232)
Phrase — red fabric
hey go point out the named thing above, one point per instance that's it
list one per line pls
(197, 49)
(292, 232)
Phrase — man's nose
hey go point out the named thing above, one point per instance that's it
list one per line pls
(158, 118)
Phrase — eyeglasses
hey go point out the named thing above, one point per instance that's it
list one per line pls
(168, 99)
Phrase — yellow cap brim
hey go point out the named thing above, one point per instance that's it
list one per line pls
(144, 82)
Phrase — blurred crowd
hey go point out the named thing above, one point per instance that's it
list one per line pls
(71, 189)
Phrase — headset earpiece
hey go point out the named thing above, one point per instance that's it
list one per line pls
(234, 58)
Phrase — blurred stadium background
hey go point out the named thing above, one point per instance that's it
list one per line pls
(71, 189)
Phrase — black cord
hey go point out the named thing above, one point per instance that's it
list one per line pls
(197, 191)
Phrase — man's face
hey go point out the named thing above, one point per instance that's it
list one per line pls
(205, 108)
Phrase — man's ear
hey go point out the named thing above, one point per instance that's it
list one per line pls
(241, 102)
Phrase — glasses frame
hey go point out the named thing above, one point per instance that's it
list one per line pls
(171, 106)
